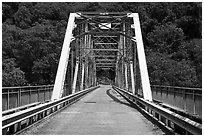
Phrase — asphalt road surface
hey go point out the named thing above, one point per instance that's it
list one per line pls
(101, 112)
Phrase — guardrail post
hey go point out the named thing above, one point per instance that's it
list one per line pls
(18, 98)
(44, 94)
(11, 129)
(167, 122)
(50, 92)
(8, 100)
(38, 95)
(159, 118)
(18, 128)
(29, 95)
(4, 131)
(184, 100)
(194, 105)
(29, 121)
(167, 91)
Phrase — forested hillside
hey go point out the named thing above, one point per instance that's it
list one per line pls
(33, 33)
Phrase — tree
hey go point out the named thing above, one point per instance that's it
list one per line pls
(33, 35)
(165, 38)
(165, 71)
(23, 17)
(12, 76)
(194, 54)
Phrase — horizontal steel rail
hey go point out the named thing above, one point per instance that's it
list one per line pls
(188, 100)
(14, 110)
(14, 123)
(13, 97)
(21, 87)
(174, 87)
(167, 118)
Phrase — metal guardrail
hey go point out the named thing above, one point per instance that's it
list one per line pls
(173, 122)
(188, 100)
(14, 110)
(14, 123)
(13, 97)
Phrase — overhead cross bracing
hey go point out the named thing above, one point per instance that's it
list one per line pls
(105, 29)
(101, 41)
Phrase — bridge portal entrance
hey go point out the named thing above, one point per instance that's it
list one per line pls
(103, 47)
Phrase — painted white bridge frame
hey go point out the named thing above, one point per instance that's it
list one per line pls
(63, 63)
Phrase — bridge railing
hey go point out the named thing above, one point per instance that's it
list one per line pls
(13, 97)
(16, 122)
(172, 121)
(188, 100)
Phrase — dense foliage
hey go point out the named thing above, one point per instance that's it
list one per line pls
(32, 36)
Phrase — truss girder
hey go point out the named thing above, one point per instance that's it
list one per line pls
(62, 67)
(104, 41)
(142, 60)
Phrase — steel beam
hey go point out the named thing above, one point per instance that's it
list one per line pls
(105, 63)
(75, 77)
(105, 60)
(82, 77)
(62, 67)
(101, 49)
(105, 43)
(104, 56)
(105, 36)
(142, 60)
(105, 66)
(132, 78)
(126, 77)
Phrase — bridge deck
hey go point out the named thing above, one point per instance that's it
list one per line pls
(102, 112)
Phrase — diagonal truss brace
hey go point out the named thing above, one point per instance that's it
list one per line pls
(63, 62)
(141, 57)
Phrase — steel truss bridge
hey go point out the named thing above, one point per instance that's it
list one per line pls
(95, 44)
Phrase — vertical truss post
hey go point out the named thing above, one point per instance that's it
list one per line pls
(86, 57)
(75, 77)
(119, 75)
(72, 66)
(121, 46)
(95, 80)
(91, 74)
(82, 77)
(123, 75)
(132, 78)
(95, 77)
(90, 66)
(126, 76)
(87, 75)
(63, 62)
(135, 67)
(142, 60)
(116, 76)
(123, 78)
